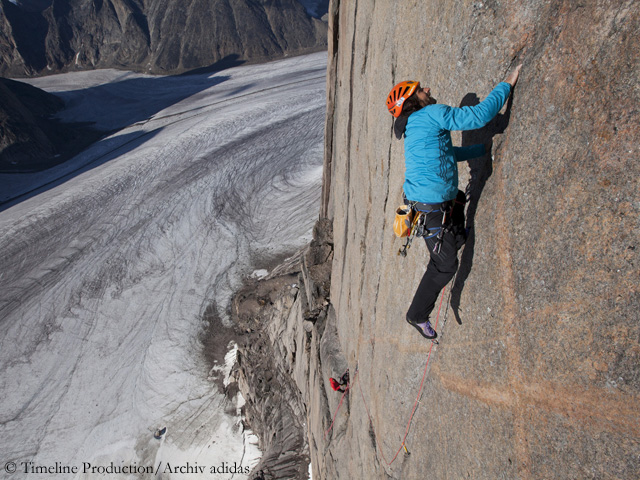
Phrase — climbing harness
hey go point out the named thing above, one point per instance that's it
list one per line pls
(446, 209)
(419, 212)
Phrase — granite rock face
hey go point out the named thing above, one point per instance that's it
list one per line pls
(155, 36)
(536, 374)
(541, 377)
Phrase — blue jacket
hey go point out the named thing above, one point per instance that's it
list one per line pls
(431, 171)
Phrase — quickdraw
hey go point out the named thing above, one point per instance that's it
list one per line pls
(447, 224)
(417, 230)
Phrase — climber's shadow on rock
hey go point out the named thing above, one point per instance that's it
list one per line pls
(480, 171)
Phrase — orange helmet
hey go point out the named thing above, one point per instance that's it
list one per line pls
(398, 95)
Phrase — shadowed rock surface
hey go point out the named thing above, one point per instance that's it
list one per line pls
(158, 36)
(539, 378)
(30, 139)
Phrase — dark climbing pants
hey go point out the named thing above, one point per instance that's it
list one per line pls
(442, 266)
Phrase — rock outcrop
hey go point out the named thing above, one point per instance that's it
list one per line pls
(284, 319)
(30, 139)
(159, 36)
(539, 377)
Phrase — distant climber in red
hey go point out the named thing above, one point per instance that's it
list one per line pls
(340, 385)
(431, 178)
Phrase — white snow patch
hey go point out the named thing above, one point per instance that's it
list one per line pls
(217, 457)
(261, 273)
(240, 401)
(107, 272)
(229, 361)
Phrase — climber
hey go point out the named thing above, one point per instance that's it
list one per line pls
(342, 385)
(431, 178)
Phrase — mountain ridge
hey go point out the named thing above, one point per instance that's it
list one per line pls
(158, 36)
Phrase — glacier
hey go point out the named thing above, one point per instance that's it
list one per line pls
(109, 261)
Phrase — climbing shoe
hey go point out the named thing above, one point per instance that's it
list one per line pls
(425, 329)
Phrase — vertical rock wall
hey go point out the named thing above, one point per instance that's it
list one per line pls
(540, 378)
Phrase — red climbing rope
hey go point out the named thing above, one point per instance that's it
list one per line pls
(415, 405)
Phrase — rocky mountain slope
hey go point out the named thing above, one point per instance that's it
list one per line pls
(155, 36)
(30, 139)
(158, 36)
(536, 374)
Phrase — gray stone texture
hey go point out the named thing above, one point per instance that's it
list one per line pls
(541, 378)
(288, 351)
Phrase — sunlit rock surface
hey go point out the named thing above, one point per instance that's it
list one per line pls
(541, 379)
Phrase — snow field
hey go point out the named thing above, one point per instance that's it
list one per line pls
(104, 278)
